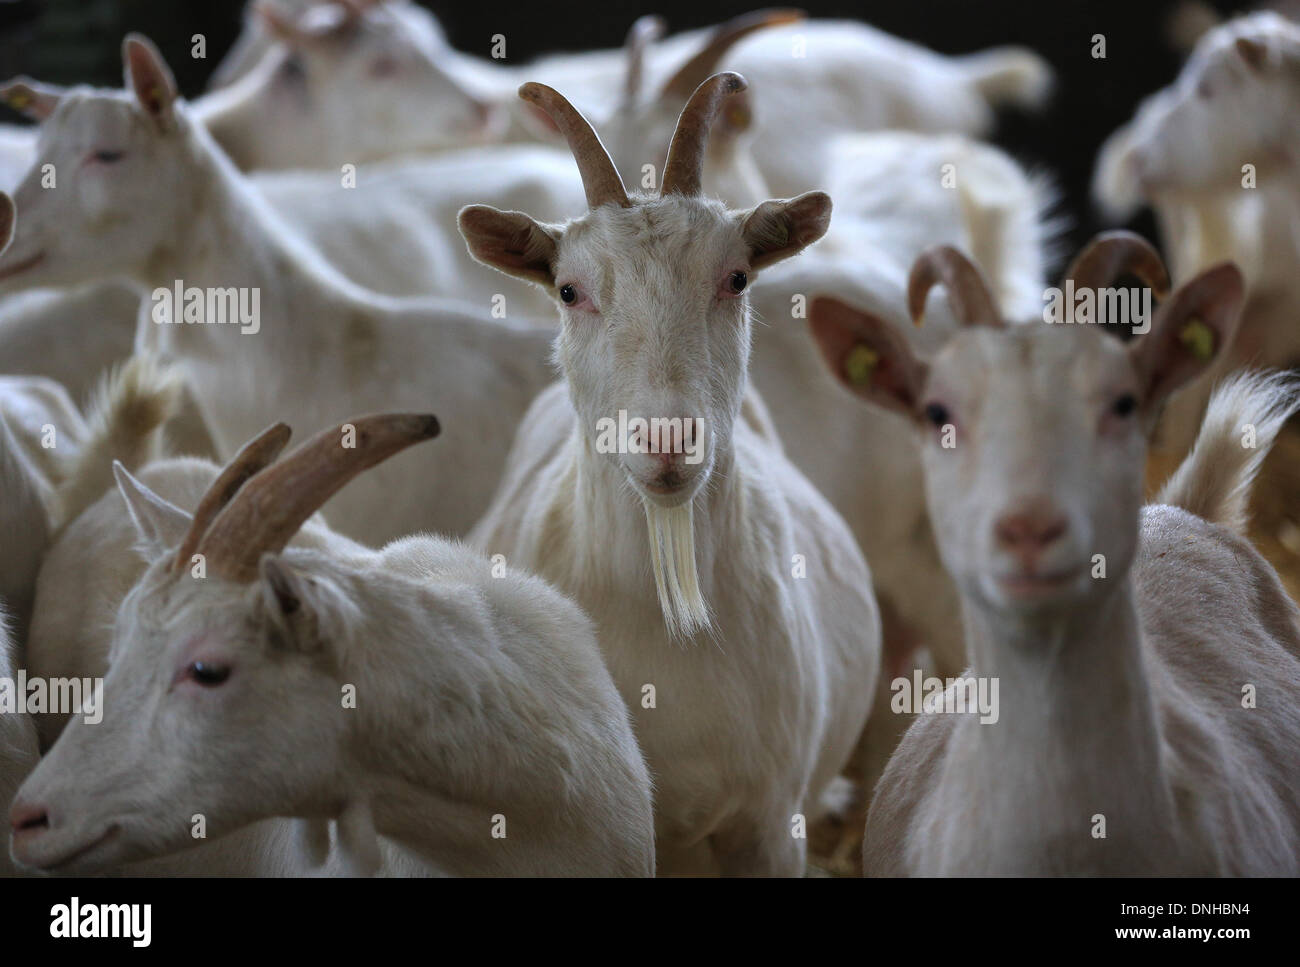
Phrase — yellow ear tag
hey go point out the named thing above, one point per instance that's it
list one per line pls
(860, 363)
(19, 99)
(1198, 338)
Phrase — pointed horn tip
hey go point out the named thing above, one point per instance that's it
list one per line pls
(536, 92)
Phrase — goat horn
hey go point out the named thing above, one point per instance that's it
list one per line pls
(599, 176)
(269, 509)
(968, 293)
(1112, 254)
(643, 33)
(254, 457)
(685, 162)
(696, 70)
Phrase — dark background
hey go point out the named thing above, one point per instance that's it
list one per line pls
(71, 41)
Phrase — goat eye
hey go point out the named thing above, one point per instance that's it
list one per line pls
(207, 674)
(108, 157)
(738, 281)
(568, 294)
(938, 414)
(1125, 405)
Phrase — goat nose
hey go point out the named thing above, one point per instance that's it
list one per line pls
(24, 816)
(1029, 531)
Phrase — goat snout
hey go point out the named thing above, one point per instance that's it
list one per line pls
(1028, 532)
(28, 817)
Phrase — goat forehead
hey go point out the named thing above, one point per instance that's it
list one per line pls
(85, 116)
(1050, 368)
(682, 235)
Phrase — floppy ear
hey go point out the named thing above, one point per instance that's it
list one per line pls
(1190, 329)
(868, 355)
(775, 230)
(32, 98)
(159, 525)
(148, 75)
(510, 241)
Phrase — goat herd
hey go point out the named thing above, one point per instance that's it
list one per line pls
(794, 518)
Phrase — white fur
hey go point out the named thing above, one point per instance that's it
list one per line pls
(477, 696)
(18, 753)
(174, 208)
(753, 718)
(1120, 697)
(1184, 153)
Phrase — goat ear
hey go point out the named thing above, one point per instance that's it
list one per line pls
(299, 606)
(510, 241)
(282, 591)
(148, 75)
(159, 525)
(775, 230)
(868, 355)
(31, 98)
(1252, 52)
(1192, 327)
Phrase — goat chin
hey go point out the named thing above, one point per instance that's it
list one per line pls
(672, 552)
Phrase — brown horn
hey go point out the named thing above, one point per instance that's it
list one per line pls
(599, 176)
(643, 33)
(685, 161)
(1112, 254)
(968, 293)
(270, 508)
(255, 455)
(696, 70)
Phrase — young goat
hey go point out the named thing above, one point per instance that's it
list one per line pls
(751, 654)
(1123, 638)
(409, 692)
(167, 209)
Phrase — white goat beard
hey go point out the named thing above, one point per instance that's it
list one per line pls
(672, 552)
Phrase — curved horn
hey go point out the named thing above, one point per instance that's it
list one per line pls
(696, 70)
(685, 161)
(599, 176)
(269, 509)
(643, 33)
(1112, 254)
(968, 293)
(255, 455)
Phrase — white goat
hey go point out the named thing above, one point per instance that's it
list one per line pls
(1214, 154)
(18, 753)
(1122, 638)
(41, 430)
(896, 193)
(169, 210)
(516, 755)
(356, 82)
(749, 657)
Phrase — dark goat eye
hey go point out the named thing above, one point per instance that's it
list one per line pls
(568, 294)
(937, 414)
(1125, 405)
(209, 675)
(108, 157)
(738, 281)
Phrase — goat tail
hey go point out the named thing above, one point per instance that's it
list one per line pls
(125, 418)
(1245, 414)
(1009, 75)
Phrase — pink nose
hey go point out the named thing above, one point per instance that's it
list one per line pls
(26, 816)
(667, 441)
(1030, 531)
